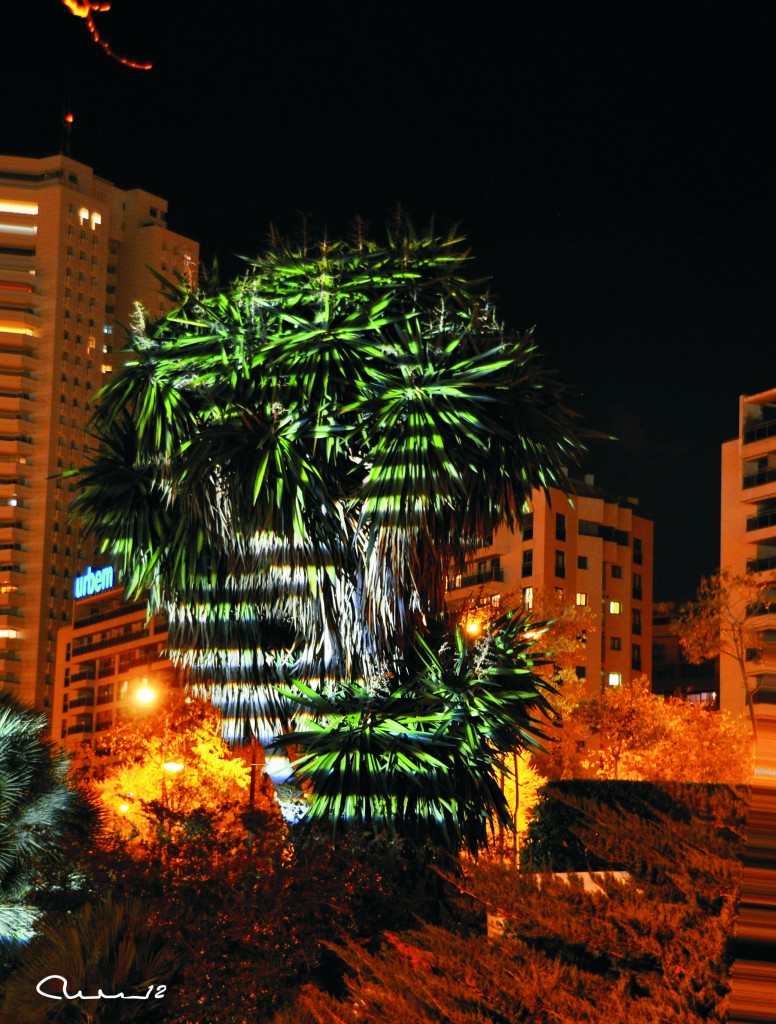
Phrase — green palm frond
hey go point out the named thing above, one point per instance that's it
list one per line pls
(288, 465)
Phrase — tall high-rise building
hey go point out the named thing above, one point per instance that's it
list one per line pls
(75, 253)
(586, 548)
(748, 545)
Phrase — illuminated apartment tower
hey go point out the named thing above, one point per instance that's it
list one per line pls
(74, 252)
(748, 541)
(589, 548)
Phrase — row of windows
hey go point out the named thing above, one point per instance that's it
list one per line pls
(591, 530)
(560, 569)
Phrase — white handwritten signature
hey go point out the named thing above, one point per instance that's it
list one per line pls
(160, 990)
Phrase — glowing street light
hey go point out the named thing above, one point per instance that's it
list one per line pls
(145, 695)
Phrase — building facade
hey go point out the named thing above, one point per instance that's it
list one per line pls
(748, 544)
(105, 658)
(672, 673)
(586, 548)
(74, 257)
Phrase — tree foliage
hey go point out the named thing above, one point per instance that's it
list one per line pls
(37, 807)
(423, 759)
(108, 945)
(652, 949)
(719, 622)
(287, 465)
(200, 795)
(630, 733)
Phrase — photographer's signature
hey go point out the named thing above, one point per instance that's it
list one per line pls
(159, 994)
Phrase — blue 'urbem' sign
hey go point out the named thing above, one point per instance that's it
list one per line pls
(93, 581)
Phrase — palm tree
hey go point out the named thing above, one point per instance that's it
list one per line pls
(425, 759)
(36, 808)
(110, 946)
(288, 466)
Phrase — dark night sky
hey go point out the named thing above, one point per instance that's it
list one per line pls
(614, 173)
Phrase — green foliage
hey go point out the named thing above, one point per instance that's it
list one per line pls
(289, 464)
(422, 760)
(37, 807)
(582, 825)
(116, 947)
(652, 949)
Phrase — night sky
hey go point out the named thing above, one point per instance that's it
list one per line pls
(614, 175)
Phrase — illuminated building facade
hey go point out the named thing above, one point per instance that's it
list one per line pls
(103, 659)
(74, 258)
(748, 541)
(588, 548)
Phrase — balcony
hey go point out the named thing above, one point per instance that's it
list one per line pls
(761, 520)
(115, 613)
(113, 641)
(760, 432)
(79, 727)
(457, 583)
(86, 700)
(85, 673)
(761, 564)
(762, 476)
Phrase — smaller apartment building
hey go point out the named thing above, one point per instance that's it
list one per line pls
(586, 548)
(104, 657)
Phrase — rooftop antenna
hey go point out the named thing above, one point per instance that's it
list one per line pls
(67, 129)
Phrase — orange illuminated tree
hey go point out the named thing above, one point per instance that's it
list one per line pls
(177, 781)
(630, 733)
(719, 622)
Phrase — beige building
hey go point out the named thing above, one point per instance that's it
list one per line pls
(748, 542)
(74, 252)
(107, 660)
(588, 548)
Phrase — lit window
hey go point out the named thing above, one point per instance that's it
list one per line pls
(581, 600)
(615, 678)
(11, 206)
(6, 633)
(83, 215)
(19, 229)
(96, 219)
(615, 607)
(528, 597)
